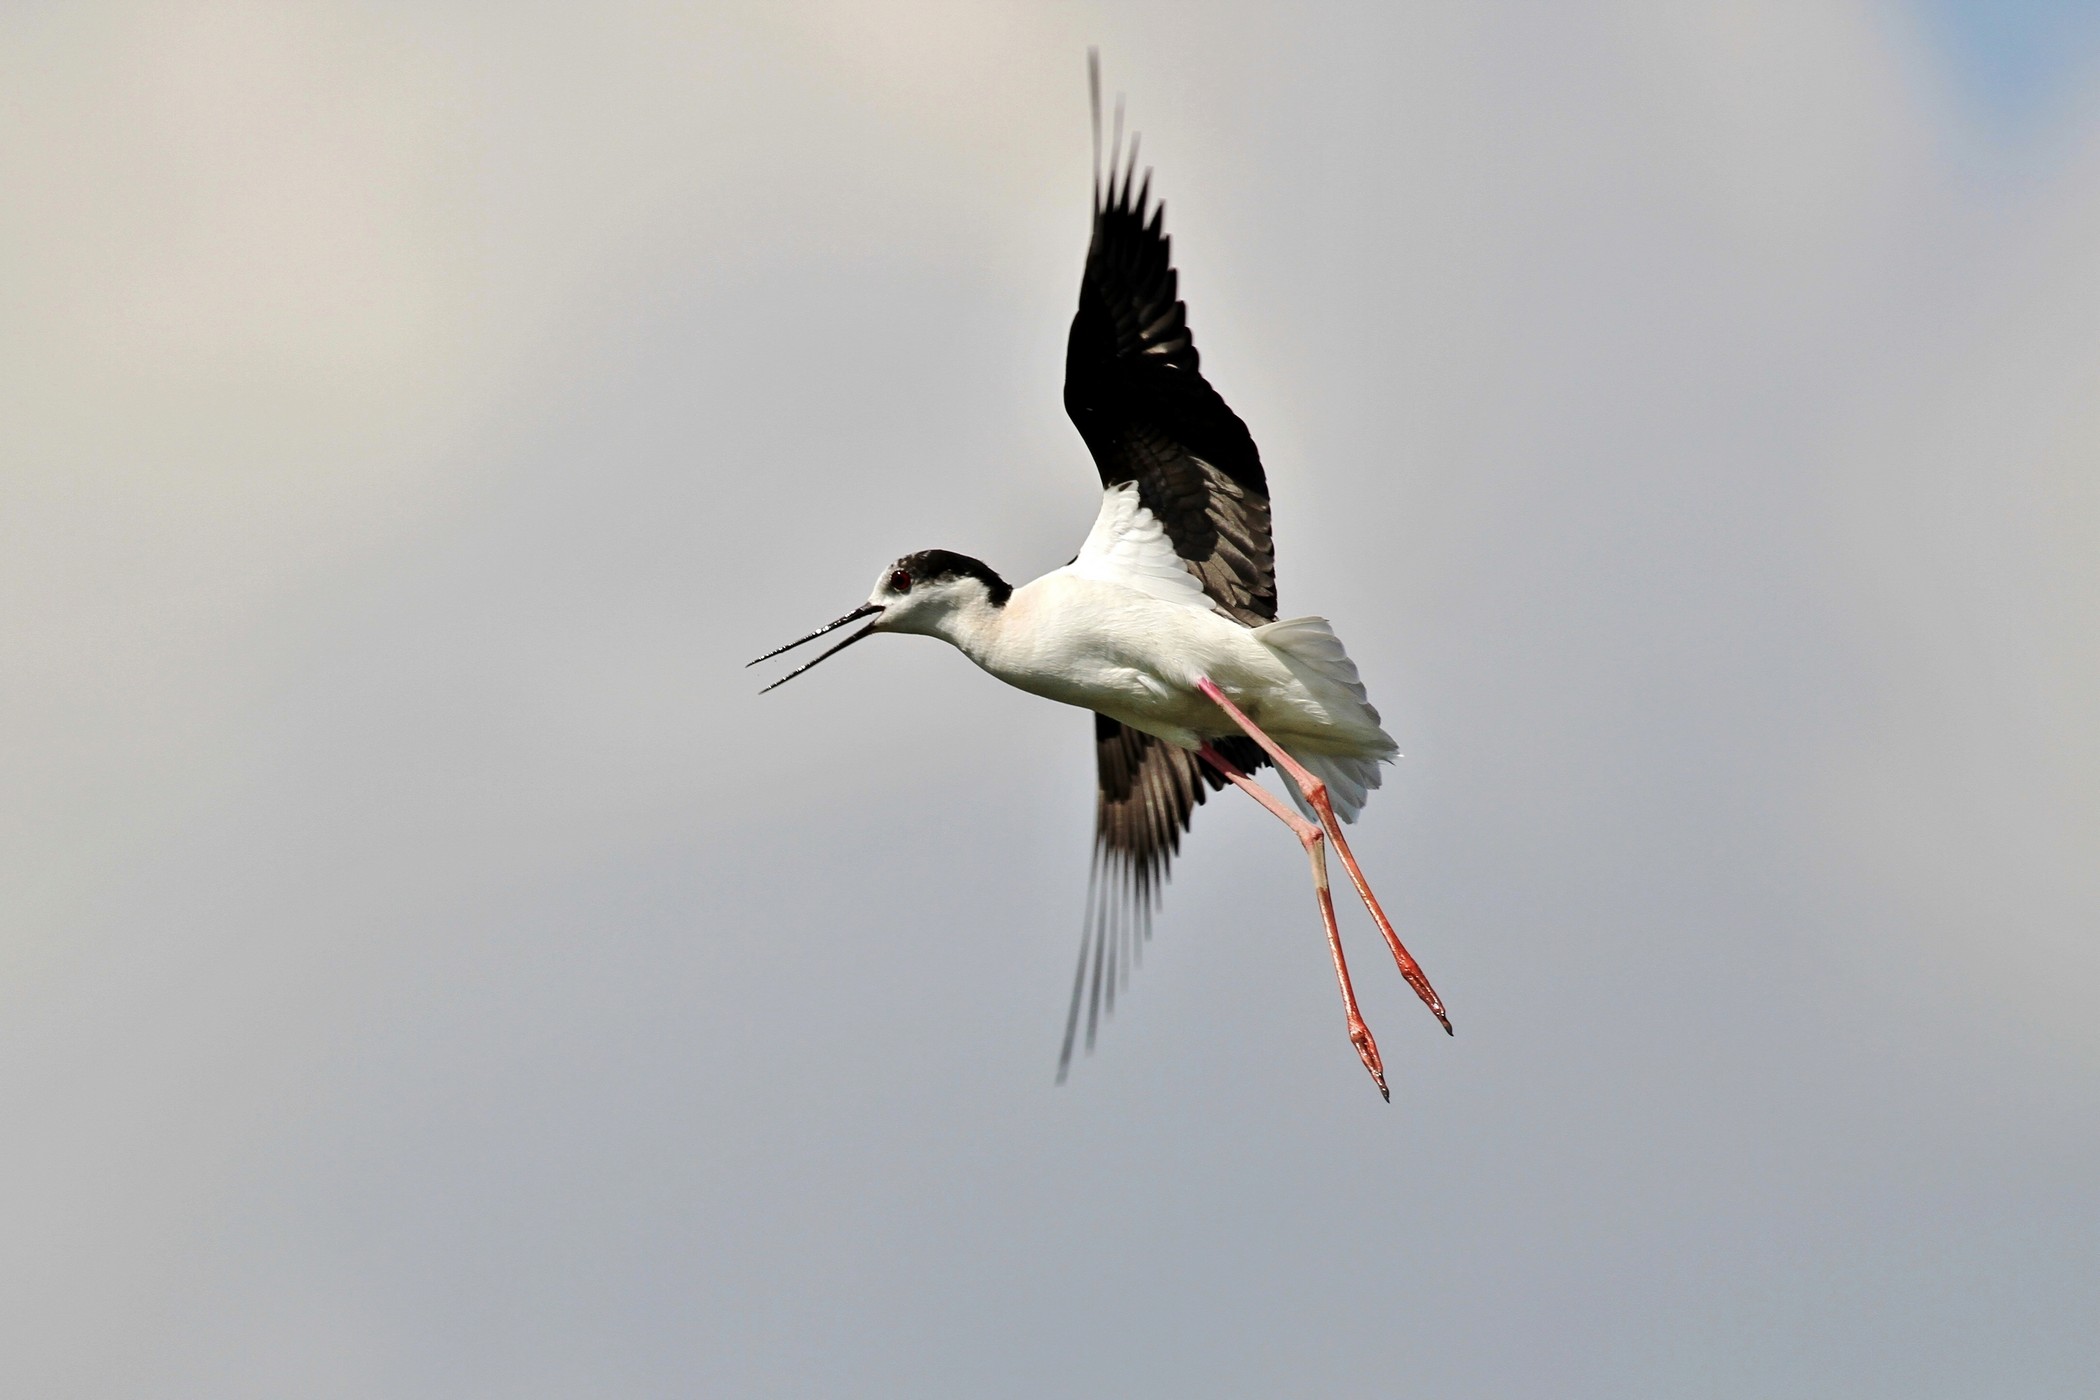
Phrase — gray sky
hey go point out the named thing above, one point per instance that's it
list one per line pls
(429, 970)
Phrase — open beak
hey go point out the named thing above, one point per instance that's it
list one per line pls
(860, 612)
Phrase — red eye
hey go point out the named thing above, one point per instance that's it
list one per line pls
(900, 582)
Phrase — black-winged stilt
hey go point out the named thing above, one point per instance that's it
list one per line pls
(1164, 625)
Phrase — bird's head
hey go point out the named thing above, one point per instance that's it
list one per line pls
(929, 593)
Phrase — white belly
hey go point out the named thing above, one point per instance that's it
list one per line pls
(1137, 659)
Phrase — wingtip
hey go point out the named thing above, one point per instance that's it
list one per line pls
(1093, 93)
(1115, 154)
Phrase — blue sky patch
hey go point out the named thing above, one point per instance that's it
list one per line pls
(2014, 60)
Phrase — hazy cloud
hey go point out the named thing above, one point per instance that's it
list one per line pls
(430, 970)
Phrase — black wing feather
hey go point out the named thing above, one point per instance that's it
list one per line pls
(1135, 390)
(1148, 792)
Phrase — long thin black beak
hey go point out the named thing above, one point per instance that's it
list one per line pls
(860, 612)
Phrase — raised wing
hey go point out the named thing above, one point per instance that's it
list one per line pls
(1134, 390)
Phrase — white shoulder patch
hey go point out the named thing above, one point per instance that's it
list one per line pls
(1129, 546)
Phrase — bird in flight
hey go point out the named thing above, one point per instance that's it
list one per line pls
(1164, 625)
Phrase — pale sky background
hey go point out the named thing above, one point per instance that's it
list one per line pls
(429, 969)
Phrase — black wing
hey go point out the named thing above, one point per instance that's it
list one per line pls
(1134, 390)
(1148, 791)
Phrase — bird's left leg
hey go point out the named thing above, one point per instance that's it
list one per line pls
(1314, 841)
(1316, 794)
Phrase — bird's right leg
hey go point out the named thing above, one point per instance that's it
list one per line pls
(1315, 792)
(1315, 842)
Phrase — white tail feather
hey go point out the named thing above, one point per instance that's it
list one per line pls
(1315, 655)
(1310, 641)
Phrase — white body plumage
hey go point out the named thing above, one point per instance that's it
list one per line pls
(1125, 631)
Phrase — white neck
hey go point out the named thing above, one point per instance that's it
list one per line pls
(961, 615)
(972, 628)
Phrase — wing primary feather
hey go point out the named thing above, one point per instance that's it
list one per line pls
(1123, 914)
(1114, 954)
(1093, 1010)
(1093, 885)
(1115, 153)
(1120, 949)
(1119, 925)
(1093, 91)
(1130, 935)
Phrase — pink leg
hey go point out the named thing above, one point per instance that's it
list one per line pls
(1316, 794)
(1311, 838)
